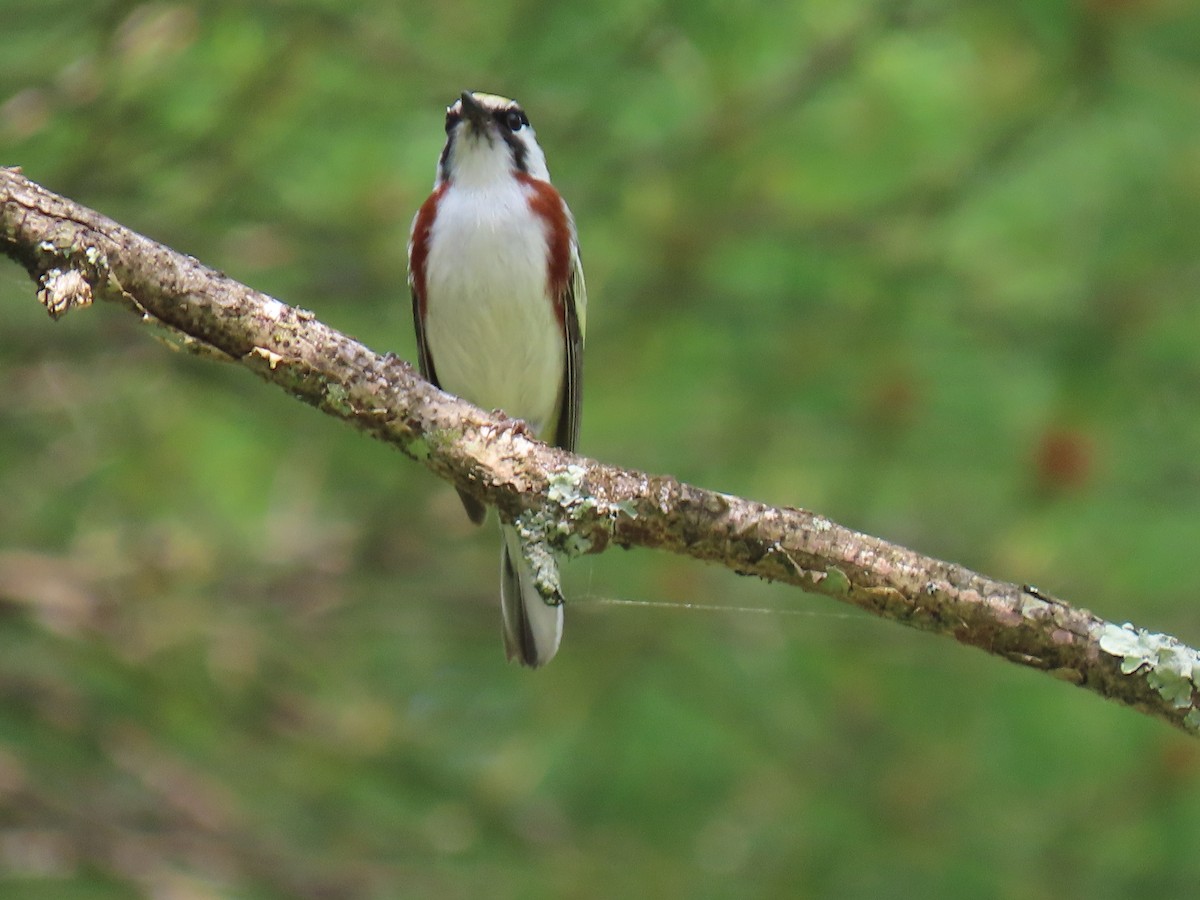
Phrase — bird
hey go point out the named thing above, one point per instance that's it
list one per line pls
(499, 308)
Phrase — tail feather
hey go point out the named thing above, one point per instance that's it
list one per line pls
(532, 627)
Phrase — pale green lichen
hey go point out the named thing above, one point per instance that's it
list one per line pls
(96, 257)
(565, 486)
(566, 490)
(439, 439)
(1173, 687)
(542, 533)
(337, 398)
(835, 581)
(576, 545)
(624, 508)
(1171, 666)
(531, 530)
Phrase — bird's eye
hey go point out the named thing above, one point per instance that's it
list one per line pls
(515, 120)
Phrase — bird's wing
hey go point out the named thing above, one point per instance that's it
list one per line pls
(574, 301)
(424, 360)
(418, 253)
(476, 511)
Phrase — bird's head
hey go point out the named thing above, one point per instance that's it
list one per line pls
(488, 139)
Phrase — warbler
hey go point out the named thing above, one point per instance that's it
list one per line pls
(499, 308)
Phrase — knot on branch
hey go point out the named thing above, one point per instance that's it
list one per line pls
(67, 276)
(60, 292)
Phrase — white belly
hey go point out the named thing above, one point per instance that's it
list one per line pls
(489, 324)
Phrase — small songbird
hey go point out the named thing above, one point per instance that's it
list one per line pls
(499, 307)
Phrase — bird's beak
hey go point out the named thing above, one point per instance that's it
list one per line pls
(474, 113)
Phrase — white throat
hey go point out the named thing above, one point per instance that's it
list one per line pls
(477, 165)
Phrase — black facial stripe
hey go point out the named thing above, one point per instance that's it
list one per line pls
(444, 160)
(516, 147)
(453, 117)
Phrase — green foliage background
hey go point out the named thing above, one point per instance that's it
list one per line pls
(926, 267)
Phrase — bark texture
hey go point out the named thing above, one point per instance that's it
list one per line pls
(575, 504)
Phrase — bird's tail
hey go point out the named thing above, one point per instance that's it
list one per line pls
(532, 627)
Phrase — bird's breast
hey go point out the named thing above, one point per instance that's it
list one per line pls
(490, 322)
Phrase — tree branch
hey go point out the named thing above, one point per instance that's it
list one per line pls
(579, 505)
